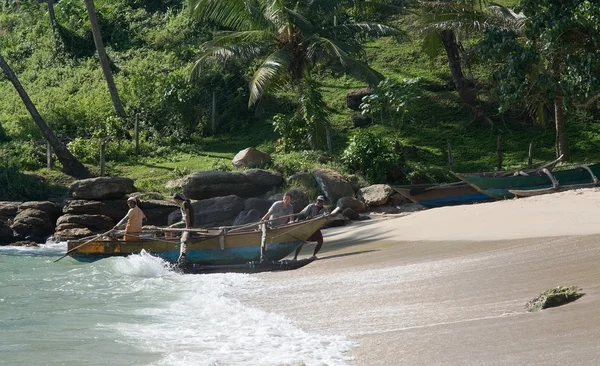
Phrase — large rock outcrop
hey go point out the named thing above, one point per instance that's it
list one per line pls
(250, 183)
(32, 224)
(101, 188)
(8, 210)
(375, 195)
(251, 158)
(213, 212)
(332, 184)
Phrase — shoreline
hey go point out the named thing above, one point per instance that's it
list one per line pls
(431, 288)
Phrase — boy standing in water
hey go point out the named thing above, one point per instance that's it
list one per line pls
(134, 219)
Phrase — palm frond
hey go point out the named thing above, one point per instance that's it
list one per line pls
(387, 7)
(234, 14)
(333, 49)
(431, 44)
(363, 30)
(300, 21)
(270, 74)
(224, 54)
(506, 17)
(323, 6)
(226, 38)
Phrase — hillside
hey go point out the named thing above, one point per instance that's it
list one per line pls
(152, 48)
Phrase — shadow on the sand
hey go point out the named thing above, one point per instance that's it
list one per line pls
(346, 254)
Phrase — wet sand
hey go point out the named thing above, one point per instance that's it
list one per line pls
(448, 286)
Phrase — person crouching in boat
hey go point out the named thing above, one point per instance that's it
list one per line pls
(281, 211)
(187, 213)
(134, 219)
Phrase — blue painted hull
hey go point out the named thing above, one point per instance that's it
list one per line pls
(439, 195)
(274, 252)
(459, 200)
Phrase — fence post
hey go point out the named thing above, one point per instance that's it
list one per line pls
(102, 157)
(499, 152)
(450, 159)
(213, 114)
(530, 159)
(136, 134)
(48, 155)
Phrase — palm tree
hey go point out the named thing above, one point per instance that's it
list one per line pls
(71, 165)
(445, 23)
(103, 57)
(288, 38)
(54, 24)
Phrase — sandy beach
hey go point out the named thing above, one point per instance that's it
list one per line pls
(448, 286)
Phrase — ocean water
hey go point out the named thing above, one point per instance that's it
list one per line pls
(137, 311)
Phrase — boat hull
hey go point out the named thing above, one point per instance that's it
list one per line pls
(500, 187)
(538, 192)
(213, 247)
(433, 195)
(249, 267)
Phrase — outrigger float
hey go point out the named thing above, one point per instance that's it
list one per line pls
(247, 248)
(557, 186)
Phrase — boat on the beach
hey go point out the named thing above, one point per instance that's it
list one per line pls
(535, 168)
(557, 186)
(461, 193)
(204, 247)
(542, 181)
(438, 195)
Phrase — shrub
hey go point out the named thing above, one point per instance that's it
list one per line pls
(371, 156)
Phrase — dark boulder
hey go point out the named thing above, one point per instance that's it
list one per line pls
(213, 212)
(93, 222)
(332, 184)
(209, 184)
(351, 214)
(101, 188)
(354, 98)
(247, 217)
(350, 202)
(32, 224)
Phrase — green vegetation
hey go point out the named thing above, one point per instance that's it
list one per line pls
(416, 109)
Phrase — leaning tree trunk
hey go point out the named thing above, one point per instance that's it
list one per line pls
(467, 95)
(54, 24)
(562, 142)
(110, 82)
(70, 164)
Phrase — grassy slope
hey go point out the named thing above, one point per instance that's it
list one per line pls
(437, 117)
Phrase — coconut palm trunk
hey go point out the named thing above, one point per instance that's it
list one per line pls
(54, 24)
(467, 95)
(70, 164)
(562, 142)
(103, 57)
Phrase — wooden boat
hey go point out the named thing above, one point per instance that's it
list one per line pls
(526, 170)
(460, 193)
(224, 246)
(500, 187)
(556, 186)
(438, 195)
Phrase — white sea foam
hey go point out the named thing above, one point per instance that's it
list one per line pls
(199, 320)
